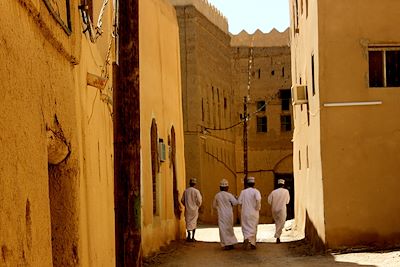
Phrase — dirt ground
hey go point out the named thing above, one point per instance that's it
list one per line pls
(206, 251)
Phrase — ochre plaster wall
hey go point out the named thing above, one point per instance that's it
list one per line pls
(309, 197)
(347, 196)
(361, 144)
(160, 98)
(59, 215)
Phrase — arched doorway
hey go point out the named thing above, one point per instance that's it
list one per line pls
(177, 206)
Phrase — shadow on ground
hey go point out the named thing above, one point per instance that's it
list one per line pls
(298, 253)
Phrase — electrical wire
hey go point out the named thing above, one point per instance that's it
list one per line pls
(270, 99)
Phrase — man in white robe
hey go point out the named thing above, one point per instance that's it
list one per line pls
(278, 199)
(223, 203)
(191, 199)
(250, 200)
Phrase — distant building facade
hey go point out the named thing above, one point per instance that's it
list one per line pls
(346, 78)
(270, 122)
(207, 98)
(214, 78)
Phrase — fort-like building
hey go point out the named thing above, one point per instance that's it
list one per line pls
(214, 82)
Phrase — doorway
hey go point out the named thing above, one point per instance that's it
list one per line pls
(289, 184)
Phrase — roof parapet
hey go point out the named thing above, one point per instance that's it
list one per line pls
(260, 39)
(208, 10)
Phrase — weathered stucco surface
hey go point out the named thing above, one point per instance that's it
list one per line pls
(348, 195)
(59, 215)
(160, 98)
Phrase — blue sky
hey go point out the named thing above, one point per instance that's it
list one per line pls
(251, 15)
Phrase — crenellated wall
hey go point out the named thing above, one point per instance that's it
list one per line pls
(260, 39)
(208, 10)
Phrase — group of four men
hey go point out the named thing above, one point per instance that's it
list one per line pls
(250, 201)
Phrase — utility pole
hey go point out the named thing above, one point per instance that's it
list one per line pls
(128, 241)
(246, 116)
(245, 146)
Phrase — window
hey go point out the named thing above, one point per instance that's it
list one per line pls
(301, 7)
(306, 8)
(225, 103)
(262, 124)
(312, 75)
(261, 105)
(286, 123)
(61, 10)
(297, 16)
(384, 66)
(285, 96)
(283, 71)
(259, 73)
(299, 160)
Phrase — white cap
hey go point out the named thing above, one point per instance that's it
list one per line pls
(224, 183)
(281, 181)
(193, 180)
(251, 179)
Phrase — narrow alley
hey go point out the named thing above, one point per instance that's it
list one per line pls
(130, 128)
(293, 251)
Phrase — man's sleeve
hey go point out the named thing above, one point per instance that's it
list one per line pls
(233, 200)
(240, 199)
(270, 199)
(258, 199)
(199, 199)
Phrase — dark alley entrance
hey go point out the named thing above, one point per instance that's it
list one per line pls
(289, 185)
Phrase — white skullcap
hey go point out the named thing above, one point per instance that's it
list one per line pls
(193, 180)
(224, 183)
(281, 181)
(251, 179)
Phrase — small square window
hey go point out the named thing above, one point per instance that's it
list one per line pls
(261, 105)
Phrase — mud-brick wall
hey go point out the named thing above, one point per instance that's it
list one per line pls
(38, 202)
(207, 103)
(47, 209)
